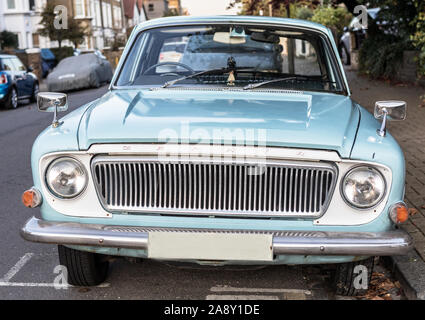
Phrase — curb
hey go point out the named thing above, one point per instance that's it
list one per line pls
(410, 272)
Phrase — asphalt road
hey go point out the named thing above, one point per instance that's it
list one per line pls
(27, 269)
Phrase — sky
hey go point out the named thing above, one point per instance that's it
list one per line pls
(207, 7)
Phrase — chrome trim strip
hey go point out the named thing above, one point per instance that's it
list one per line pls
(257, 206)
(284, 242)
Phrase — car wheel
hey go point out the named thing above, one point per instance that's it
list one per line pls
(85, 269)
(345, 55)
(346, 281)
(35, 92)
(12, 103)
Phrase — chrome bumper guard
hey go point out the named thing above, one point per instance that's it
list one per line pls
(395, 242)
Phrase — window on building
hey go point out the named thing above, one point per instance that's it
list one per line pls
(107, 15)
(80, 9)
(11, 4)
(36, 40)
(151, 7)
(117, 17)
(31, 5)
(97, 18)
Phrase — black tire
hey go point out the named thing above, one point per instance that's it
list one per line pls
(85, 269)
(35, 91)
(345, 277)
(345, 55)
(12, 100)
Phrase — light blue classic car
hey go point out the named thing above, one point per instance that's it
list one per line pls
(252, 161)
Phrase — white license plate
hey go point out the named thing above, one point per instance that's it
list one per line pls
(210, 246)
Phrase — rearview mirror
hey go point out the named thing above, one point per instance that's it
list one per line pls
(389, 110)
(52, 102)
(227, 38)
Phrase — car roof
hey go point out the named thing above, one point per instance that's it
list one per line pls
(160, 22)
(4, 56)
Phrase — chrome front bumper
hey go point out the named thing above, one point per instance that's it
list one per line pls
(284, 242)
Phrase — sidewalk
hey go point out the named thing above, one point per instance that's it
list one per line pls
(411, 136)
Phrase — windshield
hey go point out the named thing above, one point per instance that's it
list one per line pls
(238, 56)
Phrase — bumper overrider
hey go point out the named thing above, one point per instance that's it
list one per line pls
(395, 242)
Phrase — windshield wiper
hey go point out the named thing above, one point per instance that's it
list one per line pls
(211, 71)
(260, 84)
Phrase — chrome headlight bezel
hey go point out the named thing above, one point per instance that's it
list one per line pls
(366, 168)
(54, 192)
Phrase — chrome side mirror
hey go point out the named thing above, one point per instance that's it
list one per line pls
(389, 111)
(52, 102)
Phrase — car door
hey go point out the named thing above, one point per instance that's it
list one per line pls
(24, 81)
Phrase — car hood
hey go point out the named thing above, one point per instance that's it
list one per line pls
(258, 117)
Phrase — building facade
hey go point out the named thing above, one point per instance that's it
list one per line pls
(155, 8)
(17, 16)
(134, 13)
(104, 19)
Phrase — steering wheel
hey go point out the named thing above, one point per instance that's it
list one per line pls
(169, 63)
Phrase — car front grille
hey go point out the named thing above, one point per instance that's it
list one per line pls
(274, 189)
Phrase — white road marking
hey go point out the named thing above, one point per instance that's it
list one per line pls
(45, 285)
(5, 281)
(258, 290)
(223, 293)
(18, 266)
(240, 297)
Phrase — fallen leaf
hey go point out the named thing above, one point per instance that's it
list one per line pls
(376, 298)
(412, 211)
(423, 207)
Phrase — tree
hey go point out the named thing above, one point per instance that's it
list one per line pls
(76, 32)
(280, 8)
(8, 39)
(334, 18)
(171, 13)
(48, 24)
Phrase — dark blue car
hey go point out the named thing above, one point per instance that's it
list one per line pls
(17, 82)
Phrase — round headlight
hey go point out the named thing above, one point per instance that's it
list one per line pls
(363, 187)
(66, 178)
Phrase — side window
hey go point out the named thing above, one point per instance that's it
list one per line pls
(19, 66)
(8, 65)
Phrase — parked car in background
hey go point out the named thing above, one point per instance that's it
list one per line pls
(354, 27)
(245, 154)
(17, 82)
(79, 72)
(78, 52)
(48, 61)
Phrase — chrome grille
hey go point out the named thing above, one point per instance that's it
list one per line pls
(135, 184)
